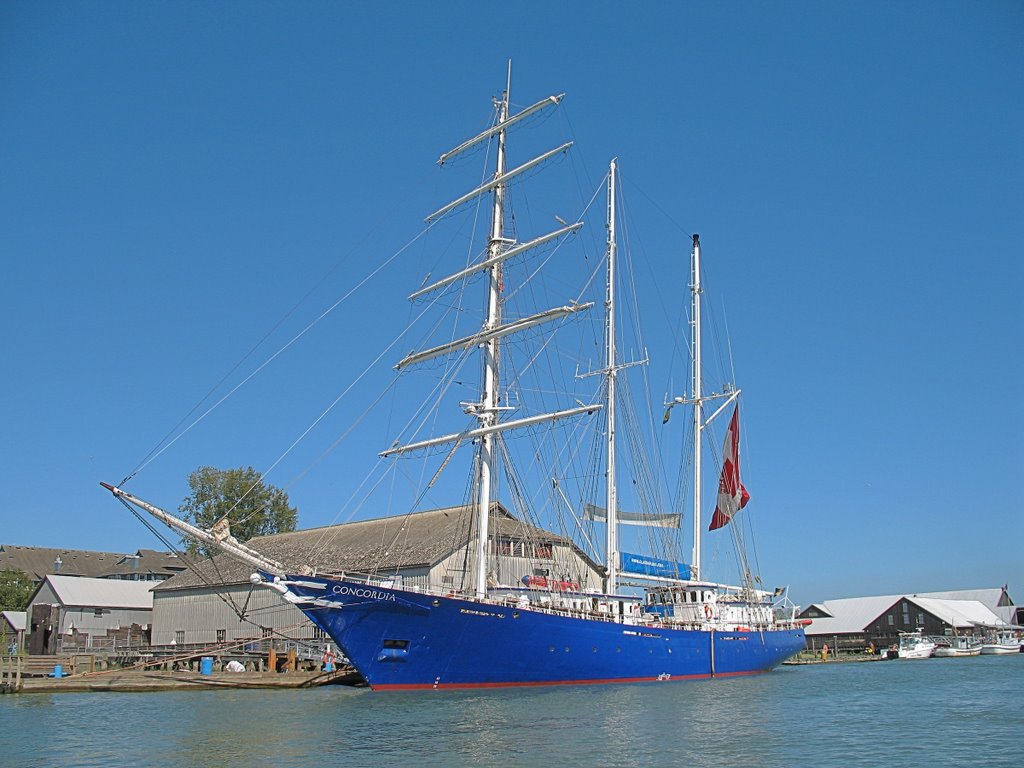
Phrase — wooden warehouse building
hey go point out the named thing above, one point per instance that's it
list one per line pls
(215, 602)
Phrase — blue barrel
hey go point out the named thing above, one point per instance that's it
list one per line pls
(206, 665)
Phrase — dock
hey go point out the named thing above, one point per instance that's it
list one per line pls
(36, 675)
(139, 681)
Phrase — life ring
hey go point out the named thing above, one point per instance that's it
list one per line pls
(707, 611)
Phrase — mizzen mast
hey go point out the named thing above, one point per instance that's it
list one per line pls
(698, 404)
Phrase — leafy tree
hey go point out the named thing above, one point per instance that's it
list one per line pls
(15, 590)
(252, 507)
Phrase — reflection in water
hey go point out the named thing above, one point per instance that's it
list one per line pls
(887, 713)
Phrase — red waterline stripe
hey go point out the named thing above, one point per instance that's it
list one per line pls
(534, 684)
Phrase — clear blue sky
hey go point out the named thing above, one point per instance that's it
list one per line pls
(174, 177)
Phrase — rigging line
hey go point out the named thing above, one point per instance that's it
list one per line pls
(539, 268)
(146, 459)
(324, 415)
(321, 542)
(188, 562)
(287, 345)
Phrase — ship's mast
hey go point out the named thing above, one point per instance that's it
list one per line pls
(698, 404)
(612, 543)
(500, 249)
(488, 412)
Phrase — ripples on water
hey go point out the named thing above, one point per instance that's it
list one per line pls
(939, 712)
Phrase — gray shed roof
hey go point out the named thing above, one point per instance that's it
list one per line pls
(16, 619)
(84, 592)
(383, 544)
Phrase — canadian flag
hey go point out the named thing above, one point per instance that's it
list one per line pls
(732, 496)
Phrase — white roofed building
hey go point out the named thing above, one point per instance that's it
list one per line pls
(854, 622)
(88, 613)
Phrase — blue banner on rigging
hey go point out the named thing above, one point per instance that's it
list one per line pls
(653, 566)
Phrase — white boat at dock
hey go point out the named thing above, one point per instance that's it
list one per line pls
(913, 645)
(1001, 643)
(955, 646)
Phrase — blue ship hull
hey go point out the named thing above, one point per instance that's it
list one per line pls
(397, 639)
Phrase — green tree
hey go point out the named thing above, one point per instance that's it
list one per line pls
(15, 590)
(252, 507)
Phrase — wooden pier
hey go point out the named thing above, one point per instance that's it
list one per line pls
(35, 674)
(10, 674)
(162, 680)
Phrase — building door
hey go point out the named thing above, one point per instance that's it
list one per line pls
(43, 627)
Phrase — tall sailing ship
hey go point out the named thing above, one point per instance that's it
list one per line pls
(651, 619)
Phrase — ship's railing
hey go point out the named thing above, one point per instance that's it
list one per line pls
(643, 620)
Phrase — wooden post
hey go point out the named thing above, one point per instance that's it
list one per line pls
(291, 659)
(272, 659)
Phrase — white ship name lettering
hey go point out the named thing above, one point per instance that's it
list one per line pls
(372, 594)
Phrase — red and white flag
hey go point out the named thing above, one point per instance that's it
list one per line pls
(732, 496)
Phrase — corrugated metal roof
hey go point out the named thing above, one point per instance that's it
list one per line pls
(854, 614)
(382, 545)
(850, 614)
(101, 593)
(987, 597)
(961, 614)
(16, 619)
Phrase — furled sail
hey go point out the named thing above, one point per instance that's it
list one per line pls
(732, 496)
(655, 520)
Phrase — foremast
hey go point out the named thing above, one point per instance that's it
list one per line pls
(612, 543)
(488, 414)
(499, 249)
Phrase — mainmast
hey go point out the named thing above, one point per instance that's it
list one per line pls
(612, 543)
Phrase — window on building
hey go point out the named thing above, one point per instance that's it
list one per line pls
(891, 619)
(542, 551)
(97, 613)
(179, 636)
(222, 635)
(920, 619)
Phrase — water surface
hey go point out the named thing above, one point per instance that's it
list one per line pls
(937, 712)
